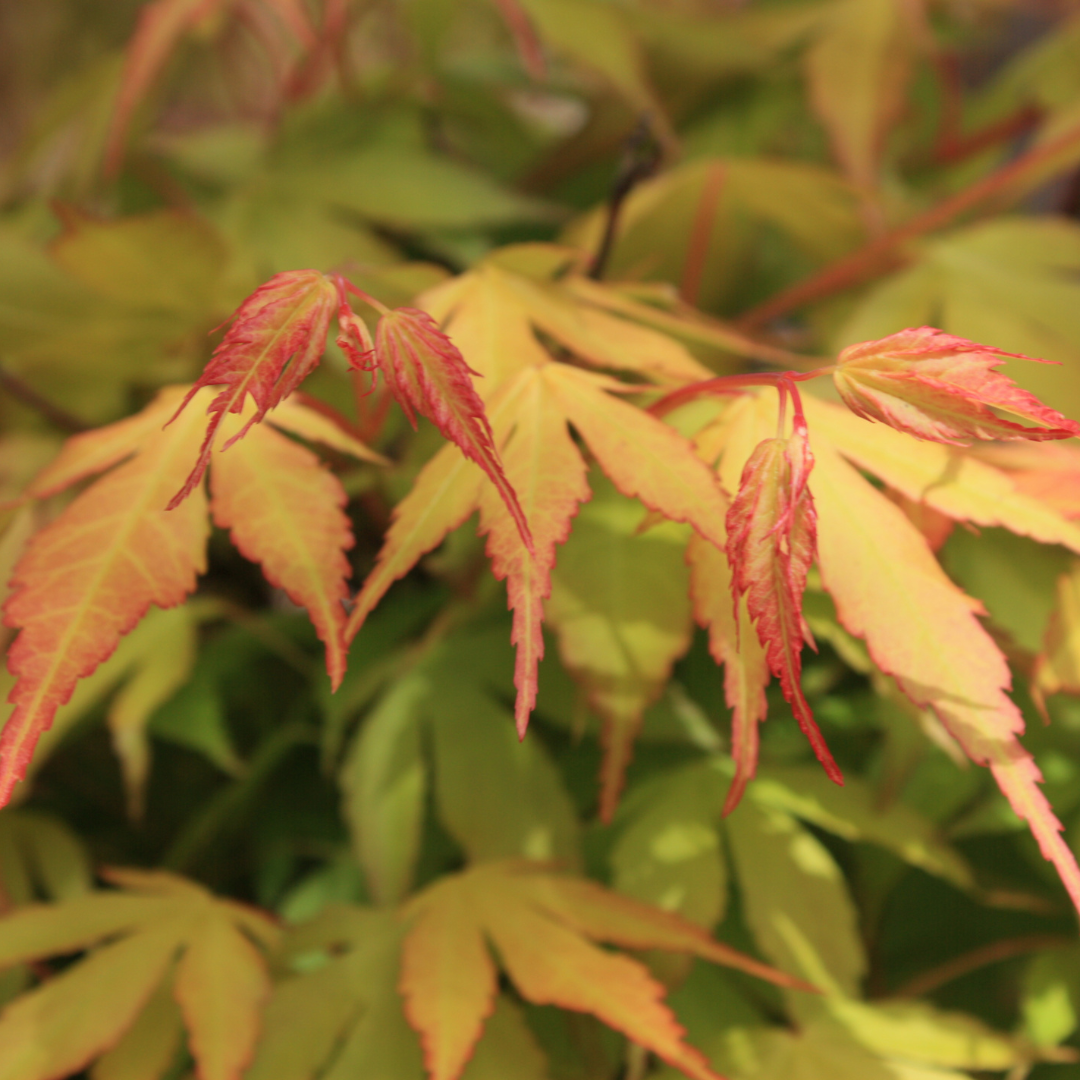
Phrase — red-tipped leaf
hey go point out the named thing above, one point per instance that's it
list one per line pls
(936, 386)
(772, 533)
(277, 336)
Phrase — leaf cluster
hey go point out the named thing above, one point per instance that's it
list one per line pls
(532, 543)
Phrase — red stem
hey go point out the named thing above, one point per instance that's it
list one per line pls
(996, 951)
(957, 146)
(733, 384)
(701, 233)
(880, 254)
(525, 38)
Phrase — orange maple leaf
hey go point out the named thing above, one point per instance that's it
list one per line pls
(935, 386)
(541, 924)
(772, 533)
(277, 336)
(549, 473)
(733, 643)
(89, 577)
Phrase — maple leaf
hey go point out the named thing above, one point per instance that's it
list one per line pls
(858, 70)
(936, 386)
(772, 530)
(621, 614)
(920, 628)
(220, 980)
(90, 576)
(548, 472)
(277, 336)
(890, 590)
(531, 407)
(285, 511)
(1049, 472)
(734, 643)
(959, 485)
(1058, 665)
(427, 374)
(540, 924)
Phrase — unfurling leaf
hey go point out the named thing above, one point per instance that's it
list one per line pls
(277, 336)
(936, 386)
(772, 531)
(427, 374)
(541, 925)
(733, 643)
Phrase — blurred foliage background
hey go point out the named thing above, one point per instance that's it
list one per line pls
(815, 172)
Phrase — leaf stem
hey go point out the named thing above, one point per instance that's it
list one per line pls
(881, 254)
(965, 964)
(734, 384)
(701, 233)
(641, 156)
(344, 285)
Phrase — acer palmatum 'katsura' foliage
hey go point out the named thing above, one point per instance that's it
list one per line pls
(948, 403)
(772, 537)
(88, 577)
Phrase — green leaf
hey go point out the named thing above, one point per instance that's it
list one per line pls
(61, 1026)
(858, 69)
(595, 35)
(304, 1019)
(149, 1045)
(812, 206)
(407, 187)
(361, 1031)
(384, 788)
(507, 1048)
(620, 608)
(497, 796)
(1015, 578)
(853, 812)
(195, 718)
(1050, 997)
(159, 262)
(920, 1033)
(40, 857)
(795, 899)
(670, 852)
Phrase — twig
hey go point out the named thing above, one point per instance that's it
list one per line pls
(993, 953)
(641, 156)
(957, 147)
(881, 254)
(56, 416)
